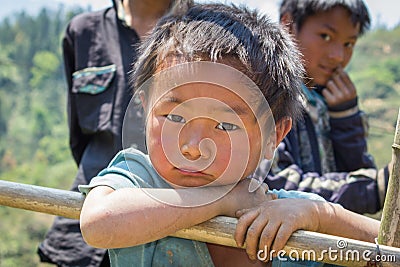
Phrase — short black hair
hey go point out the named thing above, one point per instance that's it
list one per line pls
(213, 32)
(300, 10)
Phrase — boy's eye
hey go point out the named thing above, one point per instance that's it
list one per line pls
(349, 45)
(175, 118)
(325, 36)
(225, 126)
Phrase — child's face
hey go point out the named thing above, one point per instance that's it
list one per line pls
(200, 132)
(327, 40)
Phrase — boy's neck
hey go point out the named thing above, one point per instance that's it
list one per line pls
(142, 15)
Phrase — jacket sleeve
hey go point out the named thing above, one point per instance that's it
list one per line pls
(356, 191)
(77, 140)
(348, 135)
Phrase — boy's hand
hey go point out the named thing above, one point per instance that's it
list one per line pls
(269, 226)
(340, 89)
(240, 198)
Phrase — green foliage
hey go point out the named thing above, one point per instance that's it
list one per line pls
(45, 66)
(18, 238)
(33, 127)
(375, 70)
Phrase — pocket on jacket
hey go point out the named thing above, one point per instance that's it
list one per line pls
(94, 97)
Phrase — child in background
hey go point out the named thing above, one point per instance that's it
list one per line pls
(326, 152)
(220, 87)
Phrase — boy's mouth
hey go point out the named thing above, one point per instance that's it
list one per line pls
(328, 70)
(190, 171)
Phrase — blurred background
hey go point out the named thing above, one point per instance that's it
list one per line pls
(33, 127)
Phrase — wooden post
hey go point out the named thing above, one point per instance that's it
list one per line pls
(220, 230)
(389, 232)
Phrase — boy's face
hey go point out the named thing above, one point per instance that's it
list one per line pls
(203, 130)
(200, 132)
(326, 41)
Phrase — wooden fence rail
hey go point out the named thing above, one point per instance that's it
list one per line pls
(309, 245)
(389, 232)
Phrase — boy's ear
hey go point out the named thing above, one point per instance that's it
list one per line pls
(282, 128)
(287, 22)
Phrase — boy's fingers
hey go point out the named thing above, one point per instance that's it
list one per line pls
(282, 236)
(345, 78)
(327, 93)
(271, 196)
(337, 92)
(342, 89)
(253, 236)
(267, 238)
(348, 83)
(328, 97)
(334, 89)
(246, 218)
(346, 87)
(239, 213)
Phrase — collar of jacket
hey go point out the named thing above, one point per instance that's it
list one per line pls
(119, 10)
(311, 95)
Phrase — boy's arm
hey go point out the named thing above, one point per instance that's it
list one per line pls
(356, 191)
(348, 124)
(349, 142)
(132, 216)
(271, 224)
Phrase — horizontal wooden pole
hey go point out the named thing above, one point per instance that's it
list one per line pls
(41, 199)
(303, 244)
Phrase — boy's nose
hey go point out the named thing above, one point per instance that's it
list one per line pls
(337, 53)
(191, 151)
(194, 140)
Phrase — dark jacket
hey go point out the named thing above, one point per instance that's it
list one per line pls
(98, 53)
(353, 184)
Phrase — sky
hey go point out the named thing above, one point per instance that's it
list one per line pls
(382, 11)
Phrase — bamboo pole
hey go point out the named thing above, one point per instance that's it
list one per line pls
(305, 244)
(389, 232)
(41, 199)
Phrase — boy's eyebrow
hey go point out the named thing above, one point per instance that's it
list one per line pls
(236, 109)
(335, 31)
(171, 99)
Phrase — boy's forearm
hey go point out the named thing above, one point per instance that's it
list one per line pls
(129, 217)
(336, 220)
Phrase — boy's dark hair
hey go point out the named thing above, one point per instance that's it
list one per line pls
(300, 10)
(261, 49)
